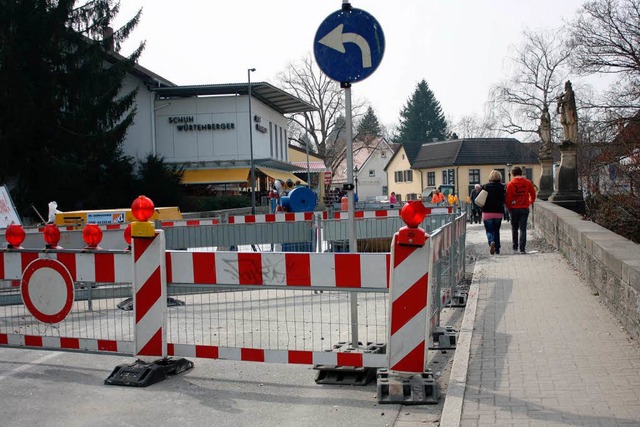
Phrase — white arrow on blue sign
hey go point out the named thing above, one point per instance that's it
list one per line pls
(349, 45)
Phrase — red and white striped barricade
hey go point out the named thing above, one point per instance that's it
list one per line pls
(409, 308)
(150, 305)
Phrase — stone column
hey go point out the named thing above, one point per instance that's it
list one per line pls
(545, 187)
(568, 195)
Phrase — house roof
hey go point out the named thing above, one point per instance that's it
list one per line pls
(362, 153)
(411, 150)
(475, 151)
(268, 94)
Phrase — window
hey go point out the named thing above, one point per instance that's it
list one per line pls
(385, 190)
(444, 177)
(474, 176)
(504, 177)
(403, 176)
(271, 137)
(372, 172)
(528, 173)
(276, 139)
(383, 154)
(412, 196)
(431, 179)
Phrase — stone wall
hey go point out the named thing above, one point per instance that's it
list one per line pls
(609, 263)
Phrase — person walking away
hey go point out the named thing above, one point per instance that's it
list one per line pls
(520, 195)
(476, 213)
(493, 210)
(437, 197)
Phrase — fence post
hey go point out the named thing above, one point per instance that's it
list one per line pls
(149, 305)
(409, 323)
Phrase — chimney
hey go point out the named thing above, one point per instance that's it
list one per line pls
(107, 39)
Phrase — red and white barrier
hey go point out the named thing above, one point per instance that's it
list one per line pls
(409, 293)
(276, 217)
(304, 357)
(332, 270)
(107, 267)
(150, 295)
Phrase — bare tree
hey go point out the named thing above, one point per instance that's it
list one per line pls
(324, 128)
(540, 67)
(605, 37)
(474, 126)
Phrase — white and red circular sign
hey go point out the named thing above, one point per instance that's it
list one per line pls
(47, 290)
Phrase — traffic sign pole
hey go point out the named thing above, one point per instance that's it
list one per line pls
(348, 47)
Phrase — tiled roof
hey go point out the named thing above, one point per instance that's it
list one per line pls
(475, 151)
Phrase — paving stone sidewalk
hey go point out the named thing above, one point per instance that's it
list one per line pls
(537, 347)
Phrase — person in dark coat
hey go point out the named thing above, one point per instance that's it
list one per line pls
(493, 210)
(475, 209)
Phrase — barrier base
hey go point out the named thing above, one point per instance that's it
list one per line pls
(459, 299)
(407, 388)
(344, 375)
(143, 374)
(127, 304)
(444, 338)
(349, 375)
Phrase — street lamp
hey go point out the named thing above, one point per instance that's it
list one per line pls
(355, 171)
(253, 172)
(509, 170)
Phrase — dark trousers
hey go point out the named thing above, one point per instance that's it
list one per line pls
(519, 219)
(492, 227)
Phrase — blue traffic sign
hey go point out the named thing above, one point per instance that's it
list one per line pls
(349, 45)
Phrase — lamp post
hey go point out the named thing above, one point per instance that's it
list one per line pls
(253, 172)
(509, 170)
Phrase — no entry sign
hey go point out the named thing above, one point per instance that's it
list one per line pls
(47, 290)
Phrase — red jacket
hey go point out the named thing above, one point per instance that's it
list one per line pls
(520, 193)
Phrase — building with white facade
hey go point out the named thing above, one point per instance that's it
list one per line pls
(209, 131)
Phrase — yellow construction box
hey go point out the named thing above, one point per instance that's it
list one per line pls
(112, 216)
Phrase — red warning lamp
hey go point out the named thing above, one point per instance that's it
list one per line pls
(92, 235)
(51, 235)
(412, 213)
(142, 208)
(15, 235)
(127, 234)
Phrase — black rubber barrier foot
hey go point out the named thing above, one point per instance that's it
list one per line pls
(143, 374)
(407, 389)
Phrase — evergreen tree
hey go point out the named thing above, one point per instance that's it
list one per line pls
(422, 119)
(160, 181)
(63, 113)
(369, 127)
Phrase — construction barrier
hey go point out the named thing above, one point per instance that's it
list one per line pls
(262, 306)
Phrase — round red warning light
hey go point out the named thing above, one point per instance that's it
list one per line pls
(413, 213)
(15, 235)
(51, 234)
(127, 234)
(142, 208)
(92, 235)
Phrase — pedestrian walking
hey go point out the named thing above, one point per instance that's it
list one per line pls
(493, 210)
(476, 212)
(520, 195)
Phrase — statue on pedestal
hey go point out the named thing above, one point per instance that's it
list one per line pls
(544, 131)
(545, 155)
(568, 193)
(568, 113)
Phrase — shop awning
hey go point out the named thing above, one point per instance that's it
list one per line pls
(282, 175)
(215, 176)
(313, 166)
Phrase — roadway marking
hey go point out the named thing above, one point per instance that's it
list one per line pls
(28, 365)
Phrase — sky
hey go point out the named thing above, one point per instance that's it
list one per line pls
(458, 46)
